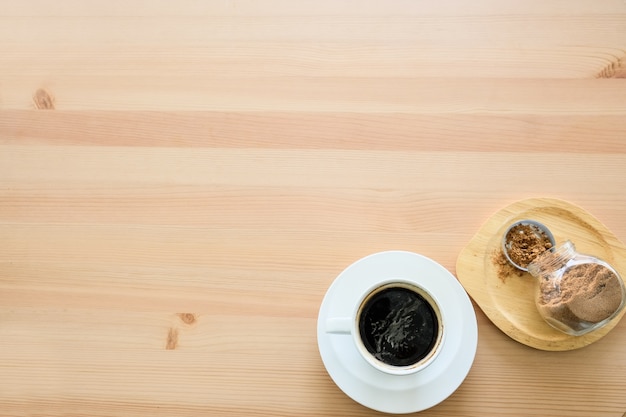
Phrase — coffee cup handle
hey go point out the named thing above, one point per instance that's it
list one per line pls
(339, 325)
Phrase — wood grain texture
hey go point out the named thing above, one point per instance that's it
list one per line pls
(180, 182)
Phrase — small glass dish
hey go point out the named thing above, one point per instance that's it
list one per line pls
(524, 240)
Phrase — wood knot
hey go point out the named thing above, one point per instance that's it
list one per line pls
(615, 69)
(172, 339)
(43, 100)
(187, 318)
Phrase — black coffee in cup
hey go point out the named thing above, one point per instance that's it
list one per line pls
(398, 326)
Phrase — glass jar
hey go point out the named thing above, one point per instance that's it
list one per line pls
(576, 293)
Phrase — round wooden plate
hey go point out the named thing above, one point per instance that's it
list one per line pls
(506, 297)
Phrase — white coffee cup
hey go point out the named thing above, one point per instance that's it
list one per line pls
(353, 325)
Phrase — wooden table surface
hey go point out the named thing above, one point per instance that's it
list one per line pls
(180, 182)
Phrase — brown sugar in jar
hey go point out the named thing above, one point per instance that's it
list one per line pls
(576, 293)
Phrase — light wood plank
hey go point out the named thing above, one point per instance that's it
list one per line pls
(319, 130)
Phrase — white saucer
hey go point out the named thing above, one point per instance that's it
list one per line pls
(392, 393)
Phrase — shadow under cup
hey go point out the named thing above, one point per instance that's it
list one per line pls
(399, 328)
